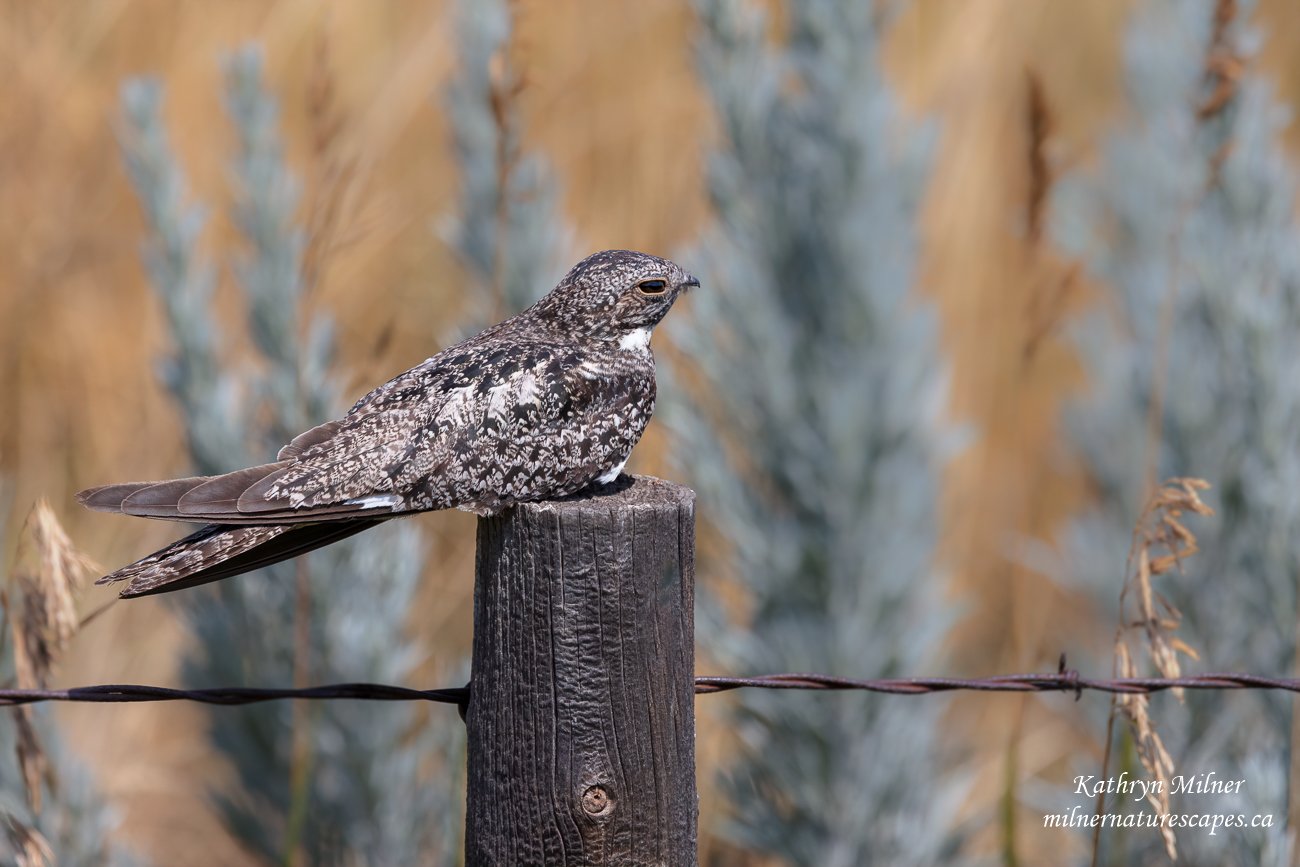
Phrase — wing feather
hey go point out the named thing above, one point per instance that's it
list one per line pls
(109, 498)
(303, 441)
(219, 495)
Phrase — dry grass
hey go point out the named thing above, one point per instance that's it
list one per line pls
(1148, 621)
(30, 846)
(42, 620)
(612, 100)
(50, 571)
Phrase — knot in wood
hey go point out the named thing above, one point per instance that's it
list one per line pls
(597, 802)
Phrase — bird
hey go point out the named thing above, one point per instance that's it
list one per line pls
(539, 406)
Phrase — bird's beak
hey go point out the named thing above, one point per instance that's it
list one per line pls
(690, 283)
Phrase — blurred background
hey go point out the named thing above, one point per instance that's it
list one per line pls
(977, 277)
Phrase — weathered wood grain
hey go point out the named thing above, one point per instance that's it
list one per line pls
(581, 716)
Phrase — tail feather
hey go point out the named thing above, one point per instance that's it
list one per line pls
(219, 551)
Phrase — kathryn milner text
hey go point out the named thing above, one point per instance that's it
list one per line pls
(1194, 784)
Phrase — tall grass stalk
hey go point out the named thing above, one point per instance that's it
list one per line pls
(508, 231)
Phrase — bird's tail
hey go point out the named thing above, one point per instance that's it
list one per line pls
(220, 550)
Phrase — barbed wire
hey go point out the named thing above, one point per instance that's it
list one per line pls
(230, 695)
(1063, 680)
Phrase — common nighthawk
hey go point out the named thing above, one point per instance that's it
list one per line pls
(539, 406)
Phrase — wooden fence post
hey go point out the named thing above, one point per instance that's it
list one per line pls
(581, 715)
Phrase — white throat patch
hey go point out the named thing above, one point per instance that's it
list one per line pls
(635, 341)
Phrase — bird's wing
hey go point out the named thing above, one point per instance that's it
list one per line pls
(476, 424)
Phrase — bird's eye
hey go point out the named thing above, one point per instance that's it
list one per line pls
(652, 287)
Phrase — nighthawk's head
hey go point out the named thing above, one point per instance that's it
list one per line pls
(615, 295)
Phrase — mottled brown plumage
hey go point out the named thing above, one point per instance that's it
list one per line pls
(539, 406)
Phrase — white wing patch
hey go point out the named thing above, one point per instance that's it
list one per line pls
(377, 501)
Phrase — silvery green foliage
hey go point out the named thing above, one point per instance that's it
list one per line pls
(508, 230)
(1157, 217)
(209, 394)
(381, 783)
(816, 452)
